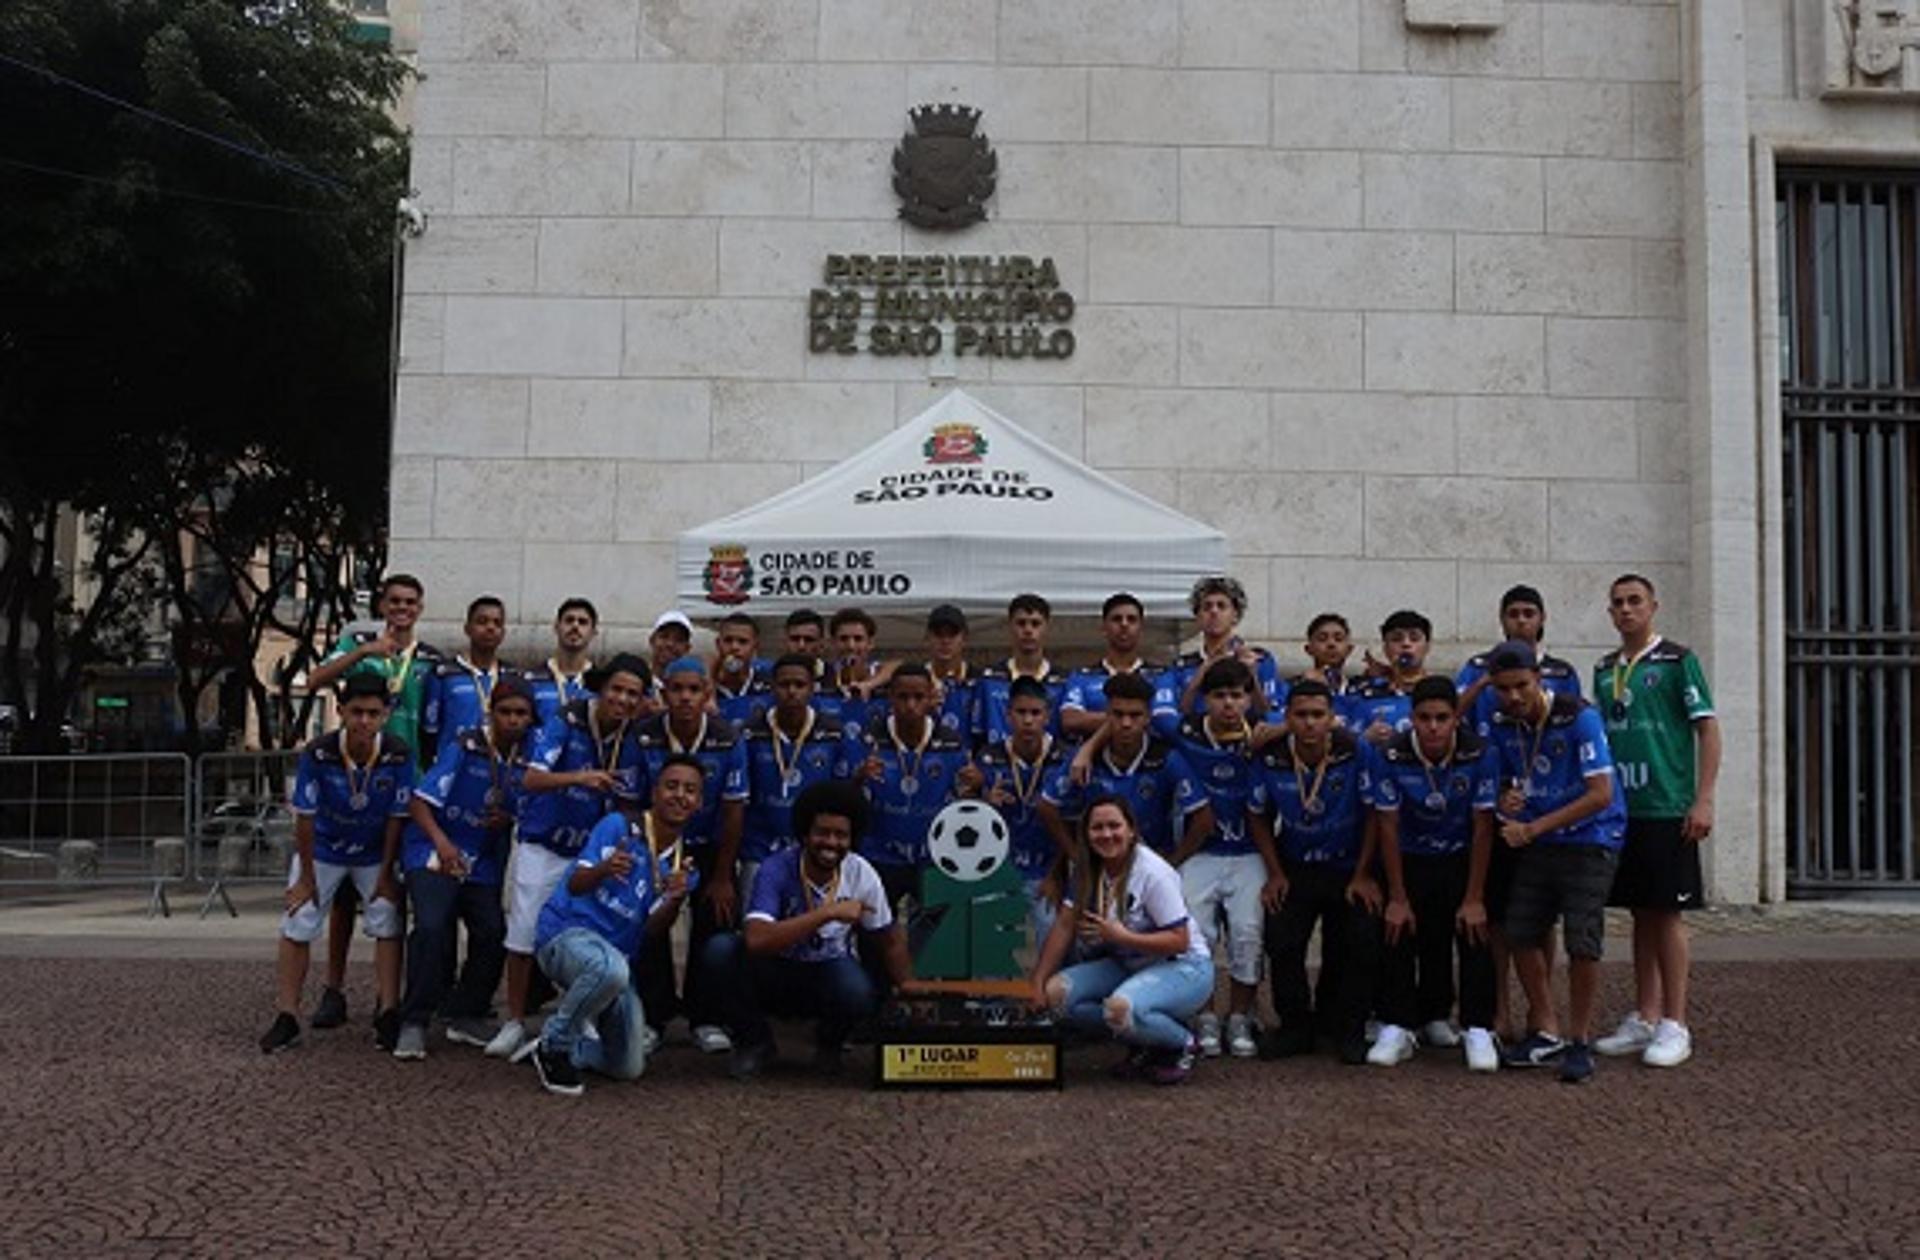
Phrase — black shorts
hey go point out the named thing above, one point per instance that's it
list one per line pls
(1568, 882)
(1501, 859)
(1659, 868)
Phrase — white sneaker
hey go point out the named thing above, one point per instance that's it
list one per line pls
(1631, 1037)
(1209, 1033)
(649, 1040)
(1440, 1034)
(1241, 1043)
(1482, 1054)
(512, 1035)
(1393, 1046)
(1671, 1046)
(711, 1039)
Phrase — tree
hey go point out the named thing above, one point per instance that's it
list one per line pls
(197, 208)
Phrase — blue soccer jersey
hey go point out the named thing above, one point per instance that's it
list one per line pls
(616, 909)
(1226, 773)
(1436, 802)
(1558, 677)
(554, 689)
(959, 703)
(474, 795)
(1177, 677)
(350, 804)
(458, 694)
(914, 785)
(781, 891)
(743, 703)
(780, 767)
(993, 693)
(1085, 689)
(1317, 812)
(1346, 691)
(1551, 761)
(560, 820)
(1156, 782)
(1379, 700)
(1014, 786)
(720, 749)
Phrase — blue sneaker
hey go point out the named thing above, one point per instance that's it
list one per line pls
(1576, 1065)
(1537, 1050)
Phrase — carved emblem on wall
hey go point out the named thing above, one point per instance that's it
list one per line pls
(943, 169)
(1873, 47)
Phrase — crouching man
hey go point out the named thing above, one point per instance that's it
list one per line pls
(795, 955)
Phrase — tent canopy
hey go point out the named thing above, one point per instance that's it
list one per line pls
(958, 506)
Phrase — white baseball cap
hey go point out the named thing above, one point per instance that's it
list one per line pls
(672, 617)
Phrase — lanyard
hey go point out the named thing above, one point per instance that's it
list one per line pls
(1024, 792)
(1623, 679)
(1539, 735)
(566, 682)
(609, 747)
(1040, 674)
(674, 854)
(397, 678)
(357, 791)
(1106, 895)
(673, 741)
(789, 767)
(812, 894)
(1239, 736)
(1106, 755)
(1427, 767)
(1310, 797)
(909, 776)
(494, 793)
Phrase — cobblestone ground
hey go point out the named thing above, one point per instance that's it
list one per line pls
(140, 1121)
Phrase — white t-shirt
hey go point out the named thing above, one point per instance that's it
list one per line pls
(778, 895)
(1154, 902)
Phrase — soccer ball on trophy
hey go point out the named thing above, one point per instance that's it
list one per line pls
(968, 840)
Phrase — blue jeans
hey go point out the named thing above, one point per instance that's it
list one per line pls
(439, 902)
(593, 978)
(1162, 996)
(748, 988)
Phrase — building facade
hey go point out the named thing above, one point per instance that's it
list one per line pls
(1415, 299)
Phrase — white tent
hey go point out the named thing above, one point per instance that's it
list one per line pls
(961, 506)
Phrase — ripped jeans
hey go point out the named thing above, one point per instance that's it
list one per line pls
(1161, 997)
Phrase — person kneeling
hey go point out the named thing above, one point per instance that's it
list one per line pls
(630, 881)
(794, 956)
(1146, 971)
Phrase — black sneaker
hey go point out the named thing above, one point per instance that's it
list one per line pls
(386, 1029)
(284, 1034)
(1576, 1063)
(331, 1012)
(747, 1061)
(1537, 1049)
(1353, 1049)
(557, 1073)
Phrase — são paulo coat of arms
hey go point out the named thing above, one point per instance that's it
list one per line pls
(955, 444)
(728, 577)
(944, 171)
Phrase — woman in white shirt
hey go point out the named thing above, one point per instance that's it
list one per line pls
(1143, 971)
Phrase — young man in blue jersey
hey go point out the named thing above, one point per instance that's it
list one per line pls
(816, 911)
(848, 691)
(740, 690)
(581, 765)
(459, 691)
(1028, 618)
(562, 678)
(1329, 644)
(1433, 797)
(1126, 759)
(1219, 604)
(618, 902)
(807, 636)
(349, 799)
(1083, 705)
(1385, 703)
(1014, 770)
(670, 639)
(913, 768)
(454, 852)
(1560, 807)
(1312, 790)
(790, 747)
(687, 728)
(954, 678)
(1228, 871)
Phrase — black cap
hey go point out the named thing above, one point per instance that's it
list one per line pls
(511, 687)
(625, 663)
(947, 616)
(363, 683)
(1513, 654)
(1522, 594)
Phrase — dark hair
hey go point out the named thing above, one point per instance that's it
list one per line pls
(1436, 687)
(1632, 577)
(1308, 689)
(741, 619)
(487, 601)
(581, 602)
(793, 660)
(358, 686)
(1219, 584)
(1406, 619)
(805, 617)
(1511, 656)
(1227, 673)
(681, 759)
(910, 669)
(510, 687)
(1028, 688)
(1128, 686)
(834, 796)
(1523, 594)
(1327, 619)
(1120, 599)
(392, 580)
(853, 616)
(1029, 603)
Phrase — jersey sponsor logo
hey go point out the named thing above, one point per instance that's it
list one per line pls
(728, 577)
(1635, 774)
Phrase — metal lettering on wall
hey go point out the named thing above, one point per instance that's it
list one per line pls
(1005, 306)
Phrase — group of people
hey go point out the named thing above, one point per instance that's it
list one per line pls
(1435, 830)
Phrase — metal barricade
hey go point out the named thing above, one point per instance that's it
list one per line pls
(95, 820)
(243, 829)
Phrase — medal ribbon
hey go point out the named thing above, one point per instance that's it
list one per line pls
(673, 741)
(356, 791)
(564, 680)
(1025, 792)
(900, 749)
(609, 747)
(675, 855)
(1623, 679)
(1427, 767)
(397, 677)
(812, 895)
(786, 766)
(1309, 795)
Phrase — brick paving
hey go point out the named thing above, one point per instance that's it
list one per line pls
(140, 1121)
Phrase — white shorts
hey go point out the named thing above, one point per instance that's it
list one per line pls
(1212, 883)
(381, 918)
(537, 871)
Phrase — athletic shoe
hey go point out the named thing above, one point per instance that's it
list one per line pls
(1242, 1042)
(1672, 1045)
(528, 1048)
(650, 1039)
(1207, 1028)
(1353, 1050)
(1631, 1037)
(1483, 1053)
(1174, 1066)
(1286, 1042)
(1440, 1034)
(1392, 1047)
(557, 1073)
(1131, 1066)
(711, 1039)
(331, 1010)
(747, 1062)
(512, 1035)
(472, 1030)
(1537, 1050)
(284, 1034)
(1576, 1065)
(412, 1043)
(386, 1029)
